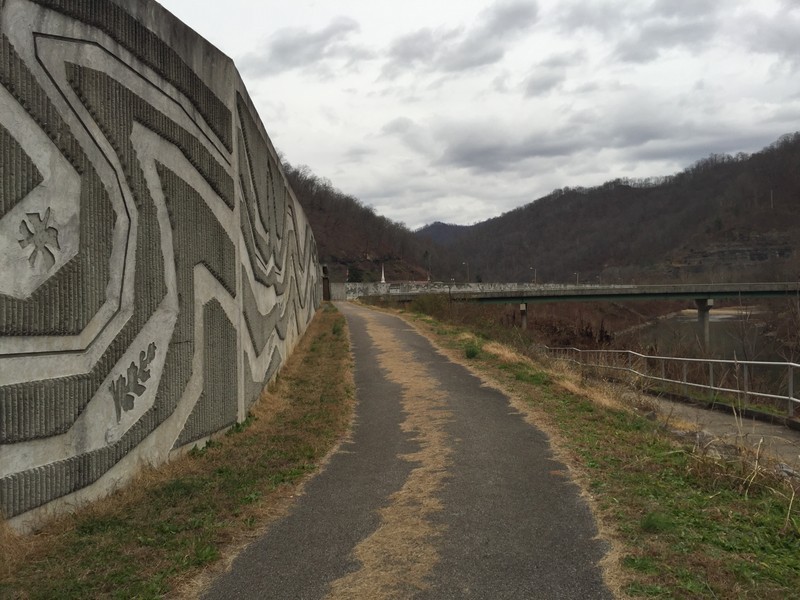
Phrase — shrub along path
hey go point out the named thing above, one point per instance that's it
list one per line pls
(443, 490)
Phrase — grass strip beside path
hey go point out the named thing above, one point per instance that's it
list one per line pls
(150, 539)
(682, 522)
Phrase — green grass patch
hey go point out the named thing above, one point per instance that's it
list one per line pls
(523, 373)
(657, 522)
(145, 540)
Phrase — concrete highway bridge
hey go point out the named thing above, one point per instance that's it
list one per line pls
(702, 294)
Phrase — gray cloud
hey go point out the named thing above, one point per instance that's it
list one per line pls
(469, 55)
(587, 87)
(666, 134)
(294, 48)
(603, 17)
(646, 43)
(778, 34)
(538, 83)
(641, 32)
(400, 125)
(787, 114)
(687, 151)
(500, 83)
(419, 46)
(357, 153)
(455, 50)
(690, 9)
(508, 17)
(486, 43)
(564, 59)
(654, 133)
(634, 131)
(414, 136)
(551, 72)
(614, 16)
(489, 147)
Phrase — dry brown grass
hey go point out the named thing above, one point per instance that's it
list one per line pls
(400, 554)
(506, 353)
(13, 550)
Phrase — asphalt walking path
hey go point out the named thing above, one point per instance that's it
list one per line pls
(441, 491)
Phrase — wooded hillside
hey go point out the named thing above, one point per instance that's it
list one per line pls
(723, 218)
(353, 241)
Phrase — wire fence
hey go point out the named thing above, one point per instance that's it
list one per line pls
(766, 386)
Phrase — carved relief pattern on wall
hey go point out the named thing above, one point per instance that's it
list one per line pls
(43, 239)
(155, 268)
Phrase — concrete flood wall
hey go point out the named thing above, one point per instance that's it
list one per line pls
(155, 268)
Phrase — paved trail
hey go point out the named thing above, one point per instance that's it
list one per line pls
(442, 491)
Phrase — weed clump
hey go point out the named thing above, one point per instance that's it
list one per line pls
(656, 522)
(471, 350)
(240, 427)
(338, 326)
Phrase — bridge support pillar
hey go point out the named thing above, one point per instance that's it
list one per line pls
(703, 308)
(326, 284)
(523, 311)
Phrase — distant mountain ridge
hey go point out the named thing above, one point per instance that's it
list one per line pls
(443, 233)
(725, 217)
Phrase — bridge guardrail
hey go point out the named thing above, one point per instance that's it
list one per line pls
(742, 383)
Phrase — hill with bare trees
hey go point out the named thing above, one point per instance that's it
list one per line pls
(723, 218)
(353, 241)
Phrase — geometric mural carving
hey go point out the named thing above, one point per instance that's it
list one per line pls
(43, 239)
(155, 268)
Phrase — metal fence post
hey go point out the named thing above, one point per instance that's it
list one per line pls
(711, 380)
(746, 385)
(685, 387)
(791, 391)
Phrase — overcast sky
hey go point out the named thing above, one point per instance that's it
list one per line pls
(458, 111)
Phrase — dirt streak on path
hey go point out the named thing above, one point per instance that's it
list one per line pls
(398, 556)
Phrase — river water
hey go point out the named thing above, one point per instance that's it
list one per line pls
(735, 332)
(738, 333)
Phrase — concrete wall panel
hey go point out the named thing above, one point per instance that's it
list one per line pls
(155, 268)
